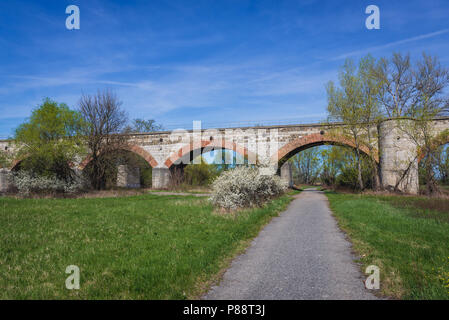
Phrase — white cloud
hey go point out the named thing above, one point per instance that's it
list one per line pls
(253, 84)
(391, 44)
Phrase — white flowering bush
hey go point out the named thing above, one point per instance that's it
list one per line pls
(245, 187)
(27, 182)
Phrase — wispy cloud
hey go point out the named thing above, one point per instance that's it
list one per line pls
(390, 45)
(208, 60)
(207, 85)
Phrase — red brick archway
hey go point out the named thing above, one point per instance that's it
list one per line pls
(132, 148)
(312, 140)
(438, 141)
(16, 163)
(216, 144)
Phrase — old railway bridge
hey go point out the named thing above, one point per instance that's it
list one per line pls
(268, 146)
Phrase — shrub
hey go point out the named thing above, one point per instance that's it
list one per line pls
(245, 187)
(176, 179)
(199, 174)
(146, 177)
(4, 163)
(27, 182)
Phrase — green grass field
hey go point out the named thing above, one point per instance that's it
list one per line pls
(406, 237)
(137, 247)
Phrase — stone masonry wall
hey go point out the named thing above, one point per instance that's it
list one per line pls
(262, 145)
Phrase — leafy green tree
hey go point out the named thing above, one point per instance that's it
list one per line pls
(331, 165)
(348, 172)
(49, 141)
(199, 174)
(339, 167)
(371, 113)
(356, 103)
(306, 166)
(345, 104)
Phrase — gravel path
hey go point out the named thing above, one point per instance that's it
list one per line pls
(302, 254)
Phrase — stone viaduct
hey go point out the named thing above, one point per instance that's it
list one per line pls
(267, 146)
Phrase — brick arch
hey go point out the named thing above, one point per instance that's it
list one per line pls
(16, 163)
(313, 140)
(218, 144)
(132, 148)
(438, 141)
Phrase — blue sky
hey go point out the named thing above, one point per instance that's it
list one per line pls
(216, 61)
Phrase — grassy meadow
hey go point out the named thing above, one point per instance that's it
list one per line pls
(136, 247)
(406, 237)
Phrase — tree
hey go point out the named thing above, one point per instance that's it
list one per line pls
(412, 94)
(371, 115)
(397, 92)
(306, 166)
(199, 174)
(345, 104)
(416, 92)
(331, 165)
(431, 79)
(49, 141)
(105, 120)
(141, 125)
(339, 167)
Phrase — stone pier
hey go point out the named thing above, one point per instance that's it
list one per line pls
(128, 177)
(286, 173)
(398, 157)
(160, 178)
(5, 180)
